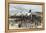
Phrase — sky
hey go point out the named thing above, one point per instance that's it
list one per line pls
(16, 8)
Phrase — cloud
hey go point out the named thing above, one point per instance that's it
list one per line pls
(24, 8)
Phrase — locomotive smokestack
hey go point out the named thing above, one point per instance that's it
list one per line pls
(29, 11)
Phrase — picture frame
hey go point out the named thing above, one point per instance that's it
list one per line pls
(7, 2)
